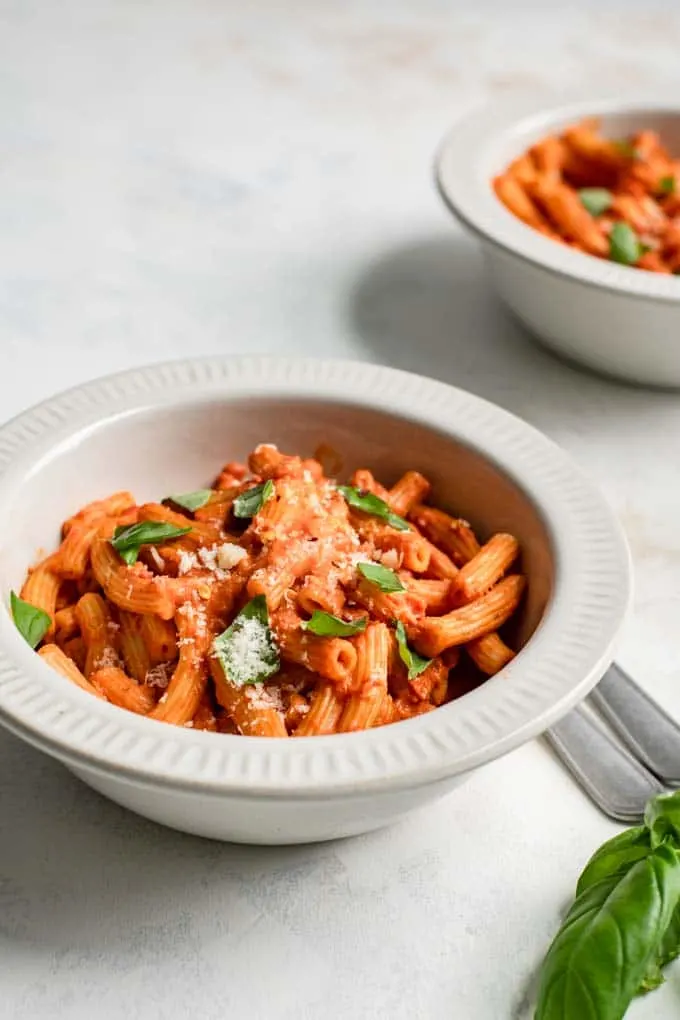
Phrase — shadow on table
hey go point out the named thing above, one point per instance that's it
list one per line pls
(78, 874)
(430, 308)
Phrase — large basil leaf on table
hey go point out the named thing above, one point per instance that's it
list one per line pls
(601, 955)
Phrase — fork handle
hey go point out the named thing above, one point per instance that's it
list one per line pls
(609, 774)
(649, 732)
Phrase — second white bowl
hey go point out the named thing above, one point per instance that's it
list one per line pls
(618, 320)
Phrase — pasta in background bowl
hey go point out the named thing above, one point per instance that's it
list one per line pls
(604, 312)
(174, 423)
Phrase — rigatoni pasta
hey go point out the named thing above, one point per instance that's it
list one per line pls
(617, 199)
(275, 603)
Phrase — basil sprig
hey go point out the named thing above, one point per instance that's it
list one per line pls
(667, 185)
(191, 500)
(415, 664)
(596, 200)
(252, 500)
(247, 650)
(382, 577)
(31, 622)
(624, 925)
(327, 625)
(128, 540)
(369, 503)
(624, 244)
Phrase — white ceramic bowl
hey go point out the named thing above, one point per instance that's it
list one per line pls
(168, 428)
(618, 320)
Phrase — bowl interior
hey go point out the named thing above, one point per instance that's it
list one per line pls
(160, 451)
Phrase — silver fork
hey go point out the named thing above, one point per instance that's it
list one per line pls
(620, 775)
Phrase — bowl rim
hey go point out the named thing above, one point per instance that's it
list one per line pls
(468, 194)
(561, 662)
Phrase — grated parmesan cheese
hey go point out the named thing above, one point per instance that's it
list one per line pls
(157, 558)
(159, 676)
(391, 559)
(107, 658)
(229, 554)
(187, 561)
(260, 696)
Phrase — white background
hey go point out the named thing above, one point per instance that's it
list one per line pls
(198, 177)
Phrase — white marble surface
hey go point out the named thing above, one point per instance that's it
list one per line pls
(196, 176)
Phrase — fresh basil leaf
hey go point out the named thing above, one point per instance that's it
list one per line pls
(624, 244)
(381, 577)
(667, 951)
(246, 650)
(670, 943)
(327, 625)
(615, 857)
(626, 148)
(252, 500)
(415, 664)
(31, 622)
(192, 500)
(596, 200)
(369, 503)
(662, 818)
(667, 185)
(600, 956)
(127, 540)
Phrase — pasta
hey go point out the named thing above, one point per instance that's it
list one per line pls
(615, 199)
(276, 603)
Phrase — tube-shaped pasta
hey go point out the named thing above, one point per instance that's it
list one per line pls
(489, 653)
(113, 505)
(215, 511)
(122, 690)
(274, 580)
(41, 588)
(180, 702)
(435, 593)
(202, 532)
(325, 709)
(485, 568)
(333, 658)
(569, 215)
(133, 588)
(205, 719)
(370, 679)
(160, 638)
(441, 566)
(487, 613)
(318, 593)
(515, 196)
(296, 710)
(431, 679)
(365, 481)
(413, 551)
(76, 650)
(251, 706)
(58, 660)
(133, 646)
(98, 629)
(412, 488)
(268, 462)
(452, 535)
(406, 606)
(66, 624)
